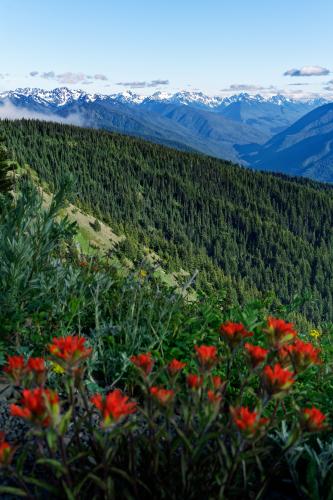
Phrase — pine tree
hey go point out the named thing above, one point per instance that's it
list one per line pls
(6, 166)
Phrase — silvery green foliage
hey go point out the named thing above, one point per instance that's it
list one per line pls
(310, 465)
(30, 237)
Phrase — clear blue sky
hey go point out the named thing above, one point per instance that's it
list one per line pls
(194, 44)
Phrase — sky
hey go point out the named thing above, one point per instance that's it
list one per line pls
(219, 47)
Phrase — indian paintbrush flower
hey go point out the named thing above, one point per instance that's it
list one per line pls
(163, 396)
(214, 397)
(234, 333)
(279, 331)
(6, 451)
(69, 350)
(194, 381)
(175, 366)
(257, 354)
(144, 362)
(113, 406)
(247, 421)
(277, 379)
(313, 419)
(15, 368)
(217, 381)
(207, 355)
(39, 406)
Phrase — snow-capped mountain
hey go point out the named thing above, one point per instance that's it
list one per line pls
(62, 96)
(214, 125)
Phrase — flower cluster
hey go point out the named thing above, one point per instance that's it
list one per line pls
(175, 366)
(20, 372)
(279, 331)
(163, 396)
(69, 351)
(247, 421)
(257, 354)
(313, 420)
(6, 451)
(207, 356)
(299, 354)
(144, 362)
(39, 406)
(234, 333)
(113, 406)
(277, 379)
(201, 397)
(194, 381)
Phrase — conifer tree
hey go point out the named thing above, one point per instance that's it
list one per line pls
(6, 166)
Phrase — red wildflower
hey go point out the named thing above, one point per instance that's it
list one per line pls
(217, 381)
(213, 397)
(114, 406)
(257, 354)
(248, 421)
(207, 355)
(69, 350)
(313, 419)
(194, 381)
(278, 379)
(285, 355)
(304, 354)
(279, 331)
(15, 368)
(143, 361)
(163, 396)
(234, 333)
(36, 365)
(175, 366)
(6, 451)
(37, 405)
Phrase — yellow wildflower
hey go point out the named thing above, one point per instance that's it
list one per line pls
(315, 334)
(57, 368)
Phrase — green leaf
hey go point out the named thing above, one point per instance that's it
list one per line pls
(13, 491)
(68, 492)
(40, 484)
(52, 463)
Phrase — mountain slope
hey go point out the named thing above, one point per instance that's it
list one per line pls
(246, 231)
(305, 148)
(269, 116)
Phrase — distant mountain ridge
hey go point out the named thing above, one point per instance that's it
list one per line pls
(62, 95)
(224, 127)
(303, 149)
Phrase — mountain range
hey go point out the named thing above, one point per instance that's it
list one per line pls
(258, 131)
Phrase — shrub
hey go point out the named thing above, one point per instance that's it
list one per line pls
(96, 225)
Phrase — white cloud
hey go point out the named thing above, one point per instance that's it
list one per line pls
(10, 112)
(244, 87)
(307, 71)
(100, 77)
(68, 77)
(143, 85)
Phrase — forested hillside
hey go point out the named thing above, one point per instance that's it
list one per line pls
(245, 231)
